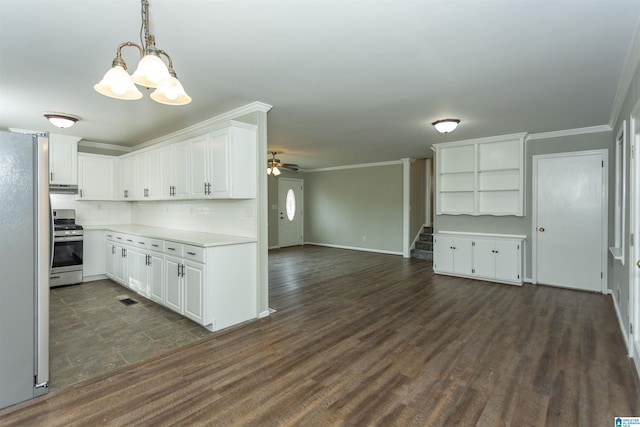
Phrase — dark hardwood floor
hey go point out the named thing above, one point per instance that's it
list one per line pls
(370, 339)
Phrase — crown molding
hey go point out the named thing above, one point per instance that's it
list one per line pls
(103, 146)
(626, 78)
(361, 165)
(207, 125)
(569, 132)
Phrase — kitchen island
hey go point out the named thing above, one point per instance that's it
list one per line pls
(209, 278)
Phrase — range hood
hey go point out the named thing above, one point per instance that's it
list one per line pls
(63, 189)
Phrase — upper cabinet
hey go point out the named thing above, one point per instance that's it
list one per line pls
(96, 177)
(219, 165)
(481, 177)
(63, 160)
(223, 163)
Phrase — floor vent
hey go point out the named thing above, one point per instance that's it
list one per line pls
(128, 301)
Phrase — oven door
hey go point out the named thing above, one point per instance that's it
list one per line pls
(67, 254)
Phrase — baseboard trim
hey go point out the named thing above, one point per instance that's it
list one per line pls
(623, 331)
(93, 278)
(354, 248)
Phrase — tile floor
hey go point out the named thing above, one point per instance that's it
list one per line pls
(92, 332)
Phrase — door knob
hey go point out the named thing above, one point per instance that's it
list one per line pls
(638, 263)
(541, 229)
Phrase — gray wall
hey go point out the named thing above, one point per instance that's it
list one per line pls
(523, 225)
(417, 198)
(342, 206)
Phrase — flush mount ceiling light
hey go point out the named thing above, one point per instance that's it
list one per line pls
(446, 125)
(61, 120)
(151, 72)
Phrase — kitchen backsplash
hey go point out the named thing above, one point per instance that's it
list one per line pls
(94, 213)
(233, 217)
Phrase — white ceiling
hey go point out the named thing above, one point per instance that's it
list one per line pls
(350, 81)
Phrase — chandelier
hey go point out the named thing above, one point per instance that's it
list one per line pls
(151, 72)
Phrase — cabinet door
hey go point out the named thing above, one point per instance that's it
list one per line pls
(198, 163)
(443, 254)
(156, 279)
(219, 164)
(462, 256)
(131, 260)
(508, 260)
(484, 258)
(120, 261)
(96, 177)
(168, 171)
(181, 181)
(126, 181)
(173, 297)
(154, 162)
(193, 291)
(109, 260)
(63, 159)
(140, 277)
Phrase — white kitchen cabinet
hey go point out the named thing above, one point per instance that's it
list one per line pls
(174, 179)
(214, 286)
(498, 259)
(452, 254)
(481, 176)
(223, 163)
(110, 260)
(127, 189)
(148, 175)
(63, 159)
(96, 177)
(486, 256)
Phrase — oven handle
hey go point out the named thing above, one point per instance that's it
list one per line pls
(68, 239)
(51, 233)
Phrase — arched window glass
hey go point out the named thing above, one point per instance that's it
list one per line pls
(290, 203)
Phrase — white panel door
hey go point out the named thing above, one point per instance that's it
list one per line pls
(508, 260)
(443, 254)
(569, 209)
(290, 203)
(462, 256)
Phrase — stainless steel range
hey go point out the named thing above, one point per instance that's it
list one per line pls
(67, 249)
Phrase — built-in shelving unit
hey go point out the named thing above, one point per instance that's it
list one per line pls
(480, 176)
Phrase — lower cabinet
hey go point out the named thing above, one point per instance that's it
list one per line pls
(483, 256)
(215, 287)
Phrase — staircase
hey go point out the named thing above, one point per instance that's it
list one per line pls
(424, 245)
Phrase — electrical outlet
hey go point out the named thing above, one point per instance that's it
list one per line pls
(364, 238)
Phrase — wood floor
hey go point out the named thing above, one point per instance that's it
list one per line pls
(371, 339)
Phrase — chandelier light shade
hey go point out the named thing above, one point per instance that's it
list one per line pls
(151, 72)
(62, 121)
(446, 125)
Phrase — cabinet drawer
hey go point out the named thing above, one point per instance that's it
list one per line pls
(109, 235)
(156, 245)
(120, 238)
(141, 242)
(173, 248)
(129, 240)
(193, 253)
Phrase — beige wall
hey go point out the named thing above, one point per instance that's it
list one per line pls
(417, 198)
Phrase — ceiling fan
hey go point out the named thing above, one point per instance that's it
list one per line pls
(274, 165)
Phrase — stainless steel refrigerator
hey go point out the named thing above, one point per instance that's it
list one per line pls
(25, 260)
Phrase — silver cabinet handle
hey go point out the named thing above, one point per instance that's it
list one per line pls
(155, 246)
(51, 179)
(80, 193)
(172, 249)
(113, 250)
(141, 243)
(191, 253)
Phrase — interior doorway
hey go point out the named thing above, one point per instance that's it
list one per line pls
(290, 212)
(570, 220)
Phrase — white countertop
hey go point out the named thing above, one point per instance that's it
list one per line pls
(194, 238)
